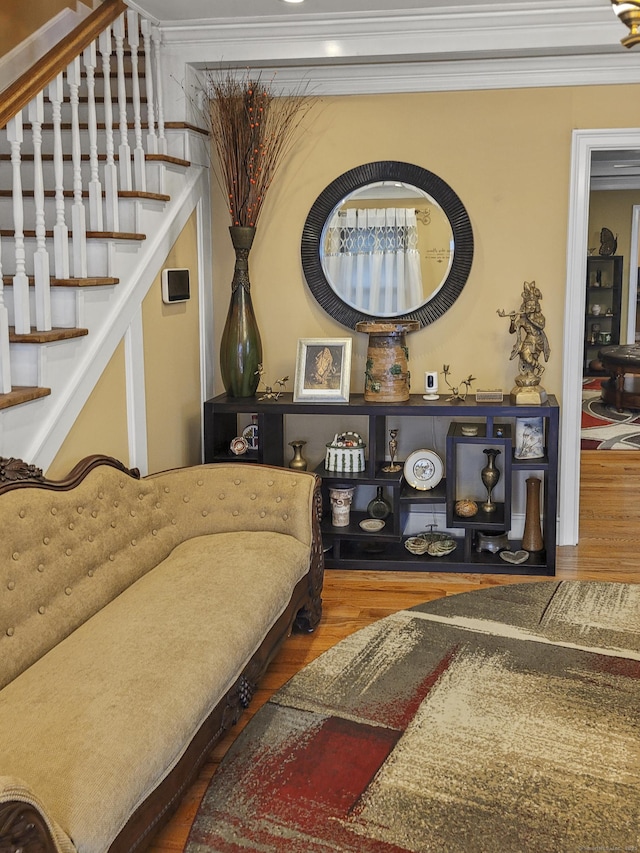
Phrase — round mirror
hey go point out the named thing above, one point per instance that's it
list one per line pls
(387, 240)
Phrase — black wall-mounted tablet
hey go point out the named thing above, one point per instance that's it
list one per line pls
(175, 285)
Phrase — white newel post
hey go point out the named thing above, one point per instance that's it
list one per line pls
(95, 188)
(157, 41)
(112, 218)
(124, 151)
(5, 365)
(21, 319)
(60, 230)
(152, 139)
(78, 216)
(133, 36)
(41, 273)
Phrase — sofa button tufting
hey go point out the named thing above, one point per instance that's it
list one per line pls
(132, 513)
(68, 552)
(173, 521)
(236, 512)
(113, 524)
(278, 499)
(71, 525)
(116, 504)
(100, 495)
(68, 591)
(154, 532)
(41, 567)
(46, 540)
(236, 482)
(186, 499)
(112, 557)
(22, 513)
(15, 556)
(80, 510)
(41, 609)
(54, 511)
(166, 490)
(94, 513)
(262, 514)
(253, 496)
(204, 513)
(221, 496)
(90, 573)
(269, 482)
(11, 585)
(141, 496)
(134, 542)
(10, 632)
(200, 482)
(285, 516)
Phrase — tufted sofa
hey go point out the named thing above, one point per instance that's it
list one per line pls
(136, 617)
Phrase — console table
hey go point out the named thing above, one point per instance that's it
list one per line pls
(353, 548)
(618, 361)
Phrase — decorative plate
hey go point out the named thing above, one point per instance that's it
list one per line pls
(423, 469)
(434, 544)
(372, 525)
(239, 445)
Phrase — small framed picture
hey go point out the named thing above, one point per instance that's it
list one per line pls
(323, 370)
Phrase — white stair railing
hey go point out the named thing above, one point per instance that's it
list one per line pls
(22, 321)
(47, 254)
(41, 275)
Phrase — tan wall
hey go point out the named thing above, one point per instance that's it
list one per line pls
(20, 19)
(506, 154)
(101, 426)
(172, 378)
(172, 365)
(613, 209)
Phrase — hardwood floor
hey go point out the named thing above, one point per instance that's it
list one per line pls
(609, 550)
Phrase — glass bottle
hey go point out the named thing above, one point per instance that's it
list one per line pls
(379, 507)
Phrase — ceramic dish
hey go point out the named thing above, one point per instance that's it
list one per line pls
(372, 525)
(423, 469)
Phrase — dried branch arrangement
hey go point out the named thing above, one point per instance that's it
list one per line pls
(252, 129)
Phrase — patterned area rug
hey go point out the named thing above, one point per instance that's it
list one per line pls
(604, 428)
(499, 721)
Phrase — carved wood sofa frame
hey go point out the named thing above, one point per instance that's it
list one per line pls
(22, 828)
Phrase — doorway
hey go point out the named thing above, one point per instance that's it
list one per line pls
(584, 143)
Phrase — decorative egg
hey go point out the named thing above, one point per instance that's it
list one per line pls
(466, 508)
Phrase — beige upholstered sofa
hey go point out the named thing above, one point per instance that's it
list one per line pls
(136, 616)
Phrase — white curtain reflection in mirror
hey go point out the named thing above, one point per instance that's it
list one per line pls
(371, 256)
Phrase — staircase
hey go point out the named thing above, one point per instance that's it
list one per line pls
(94, 189)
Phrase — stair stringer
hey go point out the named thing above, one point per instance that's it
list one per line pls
(37, 433)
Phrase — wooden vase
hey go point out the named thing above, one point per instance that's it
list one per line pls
(387, 370)
(532, 537)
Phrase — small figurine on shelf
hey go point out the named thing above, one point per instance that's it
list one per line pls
(456, 394)
(531, 344)
(269, 393)
(393, 449)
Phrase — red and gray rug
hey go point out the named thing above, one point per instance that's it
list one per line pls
(604, 428)
(505, 720)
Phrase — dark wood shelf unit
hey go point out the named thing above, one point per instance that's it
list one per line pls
(353, 548)
(604, 288)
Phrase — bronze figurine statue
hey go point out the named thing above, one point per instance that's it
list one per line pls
(530, 345)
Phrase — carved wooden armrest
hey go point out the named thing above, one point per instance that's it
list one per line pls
(24, 830)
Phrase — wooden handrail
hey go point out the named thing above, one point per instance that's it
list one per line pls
(26, 87)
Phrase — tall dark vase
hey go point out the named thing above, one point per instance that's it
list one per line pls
(241, 347)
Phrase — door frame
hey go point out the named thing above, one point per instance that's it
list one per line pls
(582, 144)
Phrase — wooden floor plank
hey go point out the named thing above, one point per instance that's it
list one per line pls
(609, 550)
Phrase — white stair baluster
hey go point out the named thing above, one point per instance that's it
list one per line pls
(110, 170)
(5, 365)
(78, 215)
(60, 230)
(21, 319)
(124, 151)
(157, 42)
(41, 257)
(95, 188)
(152, 139)
(133, 37)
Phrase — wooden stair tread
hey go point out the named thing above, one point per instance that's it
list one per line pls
(91, 235)
(36, 337)
(69, 282)
(167, 158)
(22, 394)
(85, 194)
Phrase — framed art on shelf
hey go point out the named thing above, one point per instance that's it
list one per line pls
(323, 370)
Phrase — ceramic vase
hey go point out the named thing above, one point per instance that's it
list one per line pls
(490, 475)
(341, 498)
(532, 537)
(298, 462)
(241, 347)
